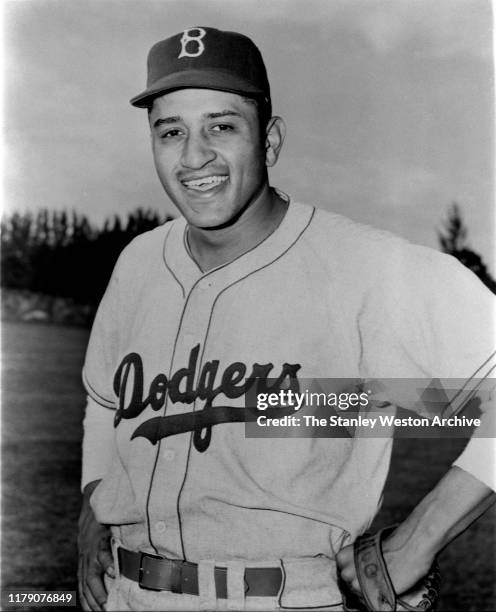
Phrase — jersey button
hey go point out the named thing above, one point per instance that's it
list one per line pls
(169, 454)
(160, 527)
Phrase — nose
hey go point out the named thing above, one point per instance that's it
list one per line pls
(197, 151)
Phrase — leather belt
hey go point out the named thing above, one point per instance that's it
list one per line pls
(161, 574)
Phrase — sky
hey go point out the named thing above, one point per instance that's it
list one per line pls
(388, 105)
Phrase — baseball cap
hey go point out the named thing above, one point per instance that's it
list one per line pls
(205, 58)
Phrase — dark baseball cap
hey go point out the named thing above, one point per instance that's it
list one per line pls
(205, 58)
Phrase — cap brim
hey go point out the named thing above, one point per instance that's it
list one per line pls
(202, 79)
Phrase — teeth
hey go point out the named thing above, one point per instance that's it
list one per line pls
(205, 182)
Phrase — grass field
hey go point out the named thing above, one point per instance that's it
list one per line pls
(42, 408)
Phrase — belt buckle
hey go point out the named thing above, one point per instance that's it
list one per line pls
(144, 571)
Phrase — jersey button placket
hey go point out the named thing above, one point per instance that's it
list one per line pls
(172, 466)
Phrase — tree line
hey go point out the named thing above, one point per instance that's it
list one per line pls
(453, 240)
(60, 253)
(63, 254)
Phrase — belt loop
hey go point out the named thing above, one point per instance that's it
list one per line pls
(114, 545)
(236, 587)
(206, 584)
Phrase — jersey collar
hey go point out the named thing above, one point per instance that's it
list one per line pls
(180, 264)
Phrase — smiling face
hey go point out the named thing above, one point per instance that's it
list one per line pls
(208, 153)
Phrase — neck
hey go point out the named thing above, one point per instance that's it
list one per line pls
(214, 247)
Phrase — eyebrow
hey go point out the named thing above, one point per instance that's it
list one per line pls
(224, 113)
(166, 121)
(177, 118)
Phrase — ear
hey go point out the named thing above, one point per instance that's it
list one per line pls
(274, 138)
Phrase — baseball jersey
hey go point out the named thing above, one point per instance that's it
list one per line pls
(321, 297)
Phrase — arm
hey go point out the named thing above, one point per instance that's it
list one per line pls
(95, 556)
(438, 318)
(455, 502)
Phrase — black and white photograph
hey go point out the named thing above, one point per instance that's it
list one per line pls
(248, 306)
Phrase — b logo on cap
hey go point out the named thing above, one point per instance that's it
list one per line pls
(188, 37)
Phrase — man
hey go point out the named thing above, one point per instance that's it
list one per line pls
(248, 285)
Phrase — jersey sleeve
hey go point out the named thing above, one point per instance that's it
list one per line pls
(98, 439)
(103, 345)
(97, 375)
(460, 314)
(428, 315)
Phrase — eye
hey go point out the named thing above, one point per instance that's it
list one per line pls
(222, 127)
(170, 133)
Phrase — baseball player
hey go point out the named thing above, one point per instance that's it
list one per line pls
(250, 287)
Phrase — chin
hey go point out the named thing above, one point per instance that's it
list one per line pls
(210, 222)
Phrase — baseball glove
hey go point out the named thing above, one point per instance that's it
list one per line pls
(377, 591)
